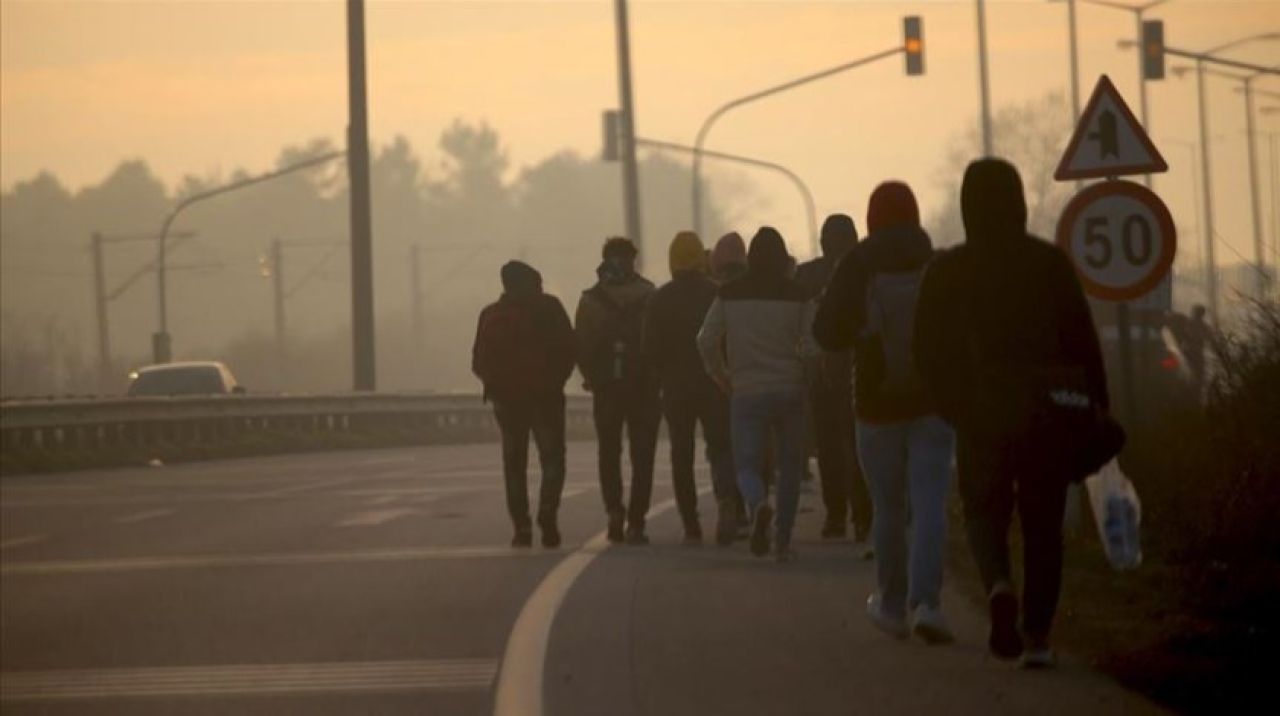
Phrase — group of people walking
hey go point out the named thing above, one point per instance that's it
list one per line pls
(891, 354)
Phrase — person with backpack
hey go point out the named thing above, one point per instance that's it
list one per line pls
(844, 492)
(1006, 345)
(524, 354)
(764, 320)
(609, 327)
(689, 397)
(905, 448)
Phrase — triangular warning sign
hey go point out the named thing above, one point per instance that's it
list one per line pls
(1109, 141)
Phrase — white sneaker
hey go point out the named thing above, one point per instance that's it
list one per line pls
(895, 627)
(1038, 657)
(928, 623)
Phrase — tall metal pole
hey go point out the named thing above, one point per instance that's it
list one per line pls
(362, 336)
(277, 285)
(627, 120)
(1259, 249)
(1075, 62)
(100, 311)
(415, 303)
(1210, 264)
(984, 88)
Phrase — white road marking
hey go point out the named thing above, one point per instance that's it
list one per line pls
(519, 687)
(142, 516)
(382, 500)
(137, 564)
(248, 679)
(369, 518)
(20, 541)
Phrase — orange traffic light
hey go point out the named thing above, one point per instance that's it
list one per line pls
(913, 44)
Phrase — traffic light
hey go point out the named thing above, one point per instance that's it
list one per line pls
(610, 135)
(913, 44)
(1153, 50)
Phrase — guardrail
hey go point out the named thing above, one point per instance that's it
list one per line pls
(57, 434)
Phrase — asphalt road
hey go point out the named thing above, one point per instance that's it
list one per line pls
(379, 582)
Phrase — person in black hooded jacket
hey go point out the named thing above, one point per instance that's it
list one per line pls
(844, 492)
(1005, 304)
(524, 353)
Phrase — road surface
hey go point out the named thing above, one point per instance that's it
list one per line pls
(379, 582)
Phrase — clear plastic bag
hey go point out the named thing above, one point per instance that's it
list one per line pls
(1118, 513)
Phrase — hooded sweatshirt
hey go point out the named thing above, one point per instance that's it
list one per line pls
(763, 319)
(1004, 298)
(728, 258)
(896, 243)
(530, 324)
(675, 314)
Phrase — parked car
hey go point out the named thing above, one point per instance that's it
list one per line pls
(188, 378)
(1162, 378)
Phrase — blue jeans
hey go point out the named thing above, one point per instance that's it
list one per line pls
(755, 419)
(908, 463)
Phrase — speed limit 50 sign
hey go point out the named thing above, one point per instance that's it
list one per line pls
(1120, 237)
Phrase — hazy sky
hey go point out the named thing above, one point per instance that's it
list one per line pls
(201, 87)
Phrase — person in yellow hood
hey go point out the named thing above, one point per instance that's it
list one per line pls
(689, 396)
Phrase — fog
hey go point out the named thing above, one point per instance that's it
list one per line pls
(486, 147)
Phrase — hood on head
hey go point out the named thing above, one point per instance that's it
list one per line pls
(768, 254)
(992, 203)
(520, 278)
(892, 205)
(687, 254)
(730, 250)
(838, 236)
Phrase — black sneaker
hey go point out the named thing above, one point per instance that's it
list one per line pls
(760, 529)
(616, 523)
(550, 532)
(522, 538)
(1005, 642)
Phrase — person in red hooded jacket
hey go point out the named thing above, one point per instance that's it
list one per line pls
(905, 448)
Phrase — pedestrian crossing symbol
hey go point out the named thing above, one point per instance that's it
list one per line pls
(1108, 141)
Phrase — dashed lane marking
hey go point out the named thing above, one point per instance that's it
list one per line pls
(23, 540)
(248, 680)
(370, 518)
(139, 564)
(137, 517)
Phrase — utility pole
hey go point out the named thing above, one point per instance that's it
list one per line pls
(277, 284)
(1259, 248)
(630, 171)
(363, 363)
(100, 310)
(1206, 185)
(415, 301)
(984, 83)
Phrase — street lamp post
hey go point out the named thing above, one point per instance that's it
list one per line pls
(1201, 58)
(160, 341)
(810, 210)
(747, 99)
(627, 122)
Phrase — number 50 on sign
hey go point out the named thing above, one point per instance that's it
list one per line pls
(1120, 237)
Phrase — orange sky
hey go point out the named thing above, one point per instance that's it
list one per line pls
(197, 87)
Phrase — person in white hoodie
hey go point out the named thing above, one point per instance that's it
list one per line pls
(756, 344)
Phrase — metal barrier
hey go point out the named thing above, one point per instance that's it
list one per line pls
(116, 425)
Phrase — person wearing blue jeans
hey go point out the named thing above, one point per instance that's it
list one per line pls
(756, 345)
(757, 418)
(908, 463)
(905, 449)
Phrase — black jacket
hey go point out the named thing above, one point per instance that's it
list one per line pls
(1004, 298)
(675, 314)
(842, 313)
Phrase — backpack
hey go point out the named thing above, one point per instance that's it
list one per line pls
(618, 356)
(889, 332)
(511, 355)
